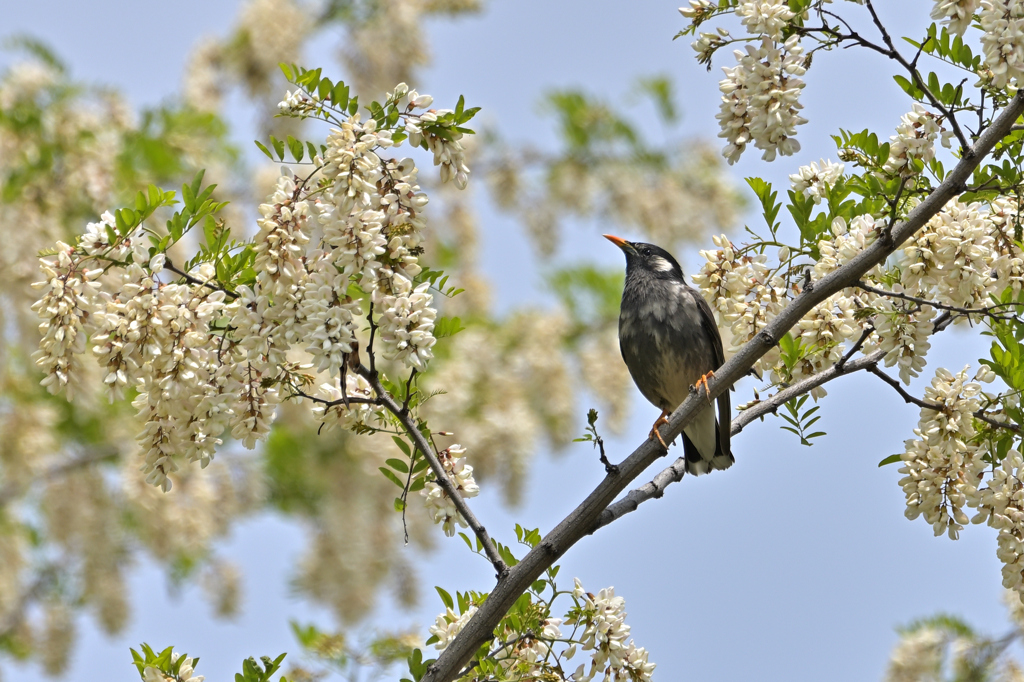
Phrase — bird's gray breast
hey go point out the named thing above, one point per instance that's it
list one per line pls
(663, 342)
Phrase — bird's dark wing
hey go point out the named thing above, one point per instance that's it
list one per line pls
(710, 329)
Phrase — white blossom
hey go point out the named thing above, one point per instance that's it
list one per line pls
(811, 180)
(765, 17)
(760, 100)
(338, 415)
(1002, 40)
(914, 141)
(406, 322)
(64, 310)
(942, 466)
(440, 507)
(448, 625)
(956, 13)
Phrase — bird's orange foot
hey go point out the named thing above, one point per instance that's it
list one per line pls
(657, 434)
(703, 381)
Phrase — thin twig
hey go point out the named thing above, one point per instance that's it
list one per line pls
(987, 310)
(907, 397)
(369, 346)
(935, 407)
(894, 54)
(198, 282)
(446, 484)
(865, 335)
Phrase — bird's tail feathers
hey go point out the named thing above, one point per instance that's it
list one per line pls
(696, 464)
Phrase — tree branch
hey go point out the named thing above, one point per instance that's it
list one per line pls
(439, 473)
(987, 310)
(674, 472)
(584, 518)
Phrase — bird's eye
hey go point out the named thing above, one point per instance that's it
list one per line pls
(645, 251)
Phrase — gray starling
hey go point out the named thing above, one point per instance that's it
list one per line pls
(670, 342)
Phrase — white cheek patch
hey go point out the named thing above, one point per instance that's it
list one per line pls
(660, 264)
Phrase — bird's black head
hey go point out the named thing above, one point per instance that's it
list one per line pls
(652, 260)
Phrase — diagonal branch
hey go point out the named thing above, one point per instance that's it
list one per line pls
(582, 520)
(439, 473)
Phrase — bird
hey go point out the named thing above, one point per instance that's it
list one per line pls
(669, 341)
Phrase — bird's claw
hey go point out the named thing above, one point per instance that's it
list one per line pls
(703, 381)
(657, 434)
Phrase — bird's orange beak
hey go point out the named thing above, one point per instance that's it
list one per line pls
(618, 241)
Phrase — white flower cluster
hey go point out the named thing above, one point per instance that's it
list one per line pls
(944, 470)
(765, 17)
(903, 332)
(605, 632)
(697, 8)
(526, 657)
(760, 100)
(744, 294)
(439, 505)
(952, 259)
(941, 467)
(598, 626)
(448, 625)
(846, 242)
(917, 657)
(914, 140)
(185, 670)
(406, 322)
(812, 179)
(448, 152)
(957, 14)
(64, 309)
(1001, 504)
(1002, 40)
(707, 43)
(205, 360)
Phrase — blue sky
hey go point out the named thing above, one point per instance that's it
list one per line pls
(796, 564)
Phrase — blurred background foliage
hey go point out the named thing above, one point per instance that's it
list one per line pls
(74, 512)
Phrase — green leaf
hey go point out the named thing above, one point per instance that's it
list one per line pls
(398, 465)
(278, 146)
(402, 445)
(295, 147)
(388, 474)
(445, 597)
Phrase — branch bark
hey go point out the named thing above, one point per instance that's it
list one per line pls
(582, 520)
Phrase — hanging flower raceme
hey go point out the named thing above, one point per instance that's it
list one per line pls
(1002, 23)
(915, 141)
(760, 100)
(942, 466)
(441, 507)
